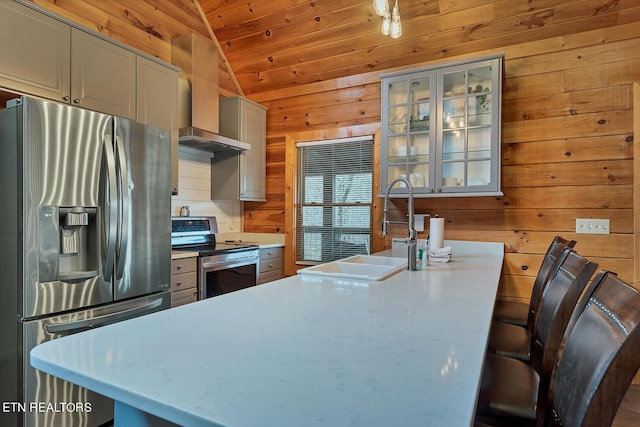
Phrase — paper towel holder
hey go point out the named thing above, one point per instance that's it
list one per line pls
(419, 220)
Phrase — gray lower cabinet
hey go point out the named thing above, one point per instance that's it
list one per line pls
(271, 266)
(184, 281)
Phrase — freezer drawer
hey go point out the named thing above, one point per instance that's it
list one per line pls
(51, 394)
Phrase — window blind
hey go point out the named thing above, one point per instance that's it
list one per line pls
(335, 193)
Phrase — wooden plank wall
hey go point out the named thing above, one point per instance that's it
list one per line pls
(567, 149)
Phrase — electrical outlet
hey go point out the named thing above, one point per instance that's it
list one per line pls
(592, 226)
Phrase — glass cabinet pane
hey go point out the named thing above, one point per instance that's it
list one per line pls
(420, 117)
(480, 79)
(419, 175)
(453, 113)
(397, 120)
(454, 84)
(394, 171)
(397, 92)
(419, 148)
(480, 110)
(453, 145)
(397, 149)
(479, 145)
(479, 173)
(420, 89)
(452, 174)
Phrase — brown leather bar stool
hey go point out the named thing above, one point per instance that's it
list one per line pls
(510, 387)
(515, 341)
(597, 361)
(519, 313)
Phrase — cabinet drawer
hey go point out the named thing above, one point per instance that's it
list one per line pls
(270, 276)
(183, 297)
(269, 253)
(183, 281)
(184, 265)
(270, 265)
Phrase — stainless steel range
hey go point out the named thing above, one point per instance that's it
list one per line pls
(222, 267)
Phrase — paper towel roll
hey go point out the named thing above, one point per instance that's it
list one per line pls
(436, 233)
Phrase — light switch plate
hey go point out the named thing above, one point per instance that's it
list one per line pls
(592, 226)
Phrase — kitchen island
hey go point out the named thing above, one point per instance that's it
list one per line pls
(301, 351)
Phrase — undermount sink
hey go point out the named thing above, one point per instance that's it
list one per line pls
(362, 267)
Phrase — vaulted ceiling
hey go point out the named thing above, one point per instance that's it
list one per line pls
(267, 46)
(276, 44)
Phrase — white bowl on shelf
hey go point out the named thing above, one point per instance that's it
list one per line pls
(400, 151)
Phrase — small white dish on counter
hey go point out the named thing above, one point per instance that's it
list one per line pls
(362, 267)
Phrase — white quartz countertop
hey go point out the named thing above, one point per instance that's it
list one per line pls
(183, 254)
(303, 351)
(263, 240)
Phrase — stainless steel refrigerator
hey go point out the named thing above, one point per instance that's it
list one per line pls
(85, 240)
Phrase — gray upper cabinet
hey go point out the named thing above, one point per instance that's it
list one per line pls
(103, 75)
(35, 51)
(47, 56)
(157, 104)
(441, 129)
(241, 176)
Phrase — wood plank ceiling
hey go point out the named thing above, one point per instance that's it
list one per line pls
(273, 45)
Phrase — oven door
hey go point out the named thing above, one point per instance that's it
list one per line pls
(221, 276)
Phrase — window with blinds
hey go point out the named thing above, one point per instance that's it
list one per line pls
(335, 184)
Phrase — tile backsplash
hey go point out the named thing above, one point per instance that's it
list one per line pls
(194, 190)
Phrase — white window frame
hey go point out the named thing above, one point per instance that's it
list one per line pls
(328, 232)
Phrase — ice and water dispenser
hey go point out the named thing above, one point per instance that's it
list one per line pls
(69, 243)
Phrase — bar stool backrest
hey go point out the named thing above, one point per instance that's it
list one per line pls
(598, 356)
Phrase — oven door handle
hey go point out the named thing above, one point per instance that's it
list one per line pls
(212, 266)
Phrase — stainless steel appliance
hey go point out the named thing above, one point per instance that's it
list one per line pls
(85, 241)
(222, 267)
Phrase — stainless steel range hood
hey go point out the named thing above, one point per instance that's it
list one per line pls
(198, 97)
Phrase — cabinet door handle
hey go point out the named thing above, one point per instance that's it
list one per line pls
(66, 98)
(178, 283)
(76, 101)
(179, 267)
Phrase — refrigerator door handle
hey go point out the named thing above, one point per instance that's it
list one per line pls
(124, 195)
(96, 322)
(110, 223)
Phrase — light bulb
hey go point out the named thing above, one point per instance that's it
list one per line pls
(381, 7)
(386, 25)
(396, 26)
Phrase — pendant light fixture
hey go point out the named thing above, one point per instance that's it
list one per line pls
(391, 25)
(386, 24)
(396, 26)
(381, 7)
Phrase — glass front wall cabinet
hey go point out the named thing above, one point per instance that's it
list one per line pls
(441, 129)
